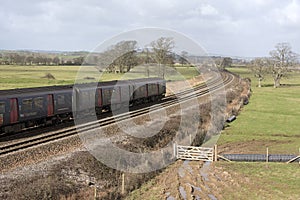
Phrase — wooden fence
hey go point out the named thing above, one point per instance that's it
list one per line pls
(194, 153)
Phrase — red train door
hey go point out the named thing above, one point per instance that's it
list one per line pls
(2, 112)
(99, 100)
(13, 111)
(147, 88)
(50, 107)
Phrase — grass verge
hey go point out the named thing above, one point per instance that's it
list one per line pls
(263, 181)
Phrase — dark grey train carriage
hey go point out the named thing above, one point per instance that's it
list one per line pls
(104, 95)
(29, 107)
(150, 89)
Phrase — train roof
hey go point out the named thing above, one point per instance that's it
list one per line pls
(35, 89)
(154, 79)
(70, 87)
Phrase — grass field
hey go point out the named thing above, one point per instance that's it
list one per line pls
(270, 120)
(263, 181)
(33, 76)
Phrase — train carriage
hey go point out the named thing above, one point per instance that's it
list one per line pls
(149, 89)
(28, 107)
(115, 94)
(84, 97)
(20, 108)
(156, 88)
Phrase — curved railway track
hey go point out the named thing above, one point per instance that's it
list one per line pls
(200, 90)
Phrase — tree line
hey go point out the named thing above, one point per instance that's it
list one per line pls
(282, 60)
(123, 56)
(118, 58)
(31, 58)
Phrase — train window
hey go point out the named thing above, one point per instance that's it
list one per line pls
(27, 104)
(61, 99)
(151, 87)
(38, 102)
(2, 107)
(141, 89)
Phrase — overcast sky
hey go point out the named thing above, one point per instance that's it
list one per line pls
(230, 27)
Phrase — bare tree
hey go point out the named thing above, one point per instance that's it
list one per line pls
(283, 58)
(162, 48)
(119, 57)
(226, 62)
(147, 61)
(56, 60)
(124, 52)
(183, 58)
(259, 68)
(126, 61)
(29, 60)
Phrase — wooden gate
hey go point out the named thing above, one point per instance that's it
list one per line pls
(194, 153)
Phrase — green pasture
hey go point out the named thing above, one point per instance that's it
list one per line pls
(12, 76)
(170, 73)
(272, 117)
(31, 76)
(263, 181)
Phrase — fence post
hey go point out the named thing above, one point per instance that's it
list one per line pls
(162, 155)
(174, 150)
(123, 184)
(267, 158)
(95, 193)
(215, 153)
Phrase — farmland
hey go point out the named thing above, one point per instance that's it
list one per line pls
(270, 120)
(16, 76)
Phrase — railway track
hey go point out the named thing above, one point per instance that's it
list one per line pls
(38, 130)
(201, 90)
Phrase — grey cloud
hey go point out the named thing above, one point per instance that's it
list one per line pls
(233, 27)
